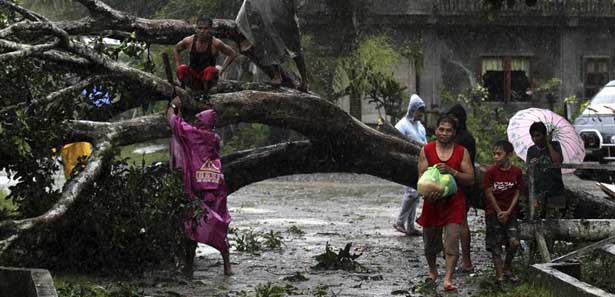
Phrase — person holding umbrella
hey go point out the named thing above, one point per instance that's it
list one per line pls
(548, 183)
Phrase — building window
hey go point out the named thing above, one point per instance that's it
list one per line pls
(507, 78)
(596, 74)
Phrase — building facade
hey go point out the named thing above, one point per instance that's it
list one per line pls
(511, 51)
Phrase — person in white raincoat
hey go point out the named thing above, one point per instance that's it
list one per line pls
(410, 125)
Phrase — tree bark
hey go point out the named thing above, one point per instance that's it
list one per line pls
(336, 142)
(569, 230)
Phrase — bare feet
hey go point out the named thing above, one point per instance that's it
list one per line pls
(467, 269)
(449, 287)
(245, 45)
(304, 87)
(227, 270)
(227, 263)
(276, 80)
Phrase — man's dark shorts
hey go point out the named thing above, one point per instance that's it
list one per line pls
(498, 234)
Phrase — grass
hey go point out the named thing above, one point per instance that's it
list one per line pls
(526, 288)
(6, 206)
(522, 290)
(149, 159)
(82, 286)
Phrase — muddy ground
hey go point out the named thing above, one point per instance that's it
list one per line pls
(330, 208)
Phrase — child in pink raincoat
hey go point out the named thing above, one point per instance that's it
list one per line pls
(195, 150)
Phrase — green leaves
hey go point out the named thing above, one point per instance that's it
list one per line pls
(70, 289)
(368, 72)
(254, 242)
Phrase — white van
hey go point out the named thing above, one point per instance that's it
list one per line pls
(596, 125)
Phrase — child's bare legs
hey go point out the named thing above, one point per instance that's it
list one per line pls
(227, 263)
(511, 250)
(496, 256)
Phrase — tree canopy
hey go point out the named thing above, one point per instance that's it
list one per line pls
(50, 63)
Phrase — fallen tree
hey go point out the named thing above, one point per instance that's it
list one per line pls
(335, 141)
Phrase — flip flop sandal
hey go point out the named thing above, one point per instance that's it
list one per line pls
(466, 270)
(414, 232)
(450, 288)
(399, 228)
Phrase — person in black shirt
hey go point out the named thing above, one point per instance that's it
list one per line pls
(202, 72)
(548, 183)
(465, 138)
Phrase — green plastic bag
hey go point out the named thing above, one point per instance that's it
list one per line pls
(432, 180)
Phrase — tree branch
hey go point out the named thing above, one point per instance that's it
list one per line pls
(23, 50)
(28, 14)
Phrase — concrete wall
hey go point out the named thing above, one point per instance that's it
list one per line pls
(26, 283)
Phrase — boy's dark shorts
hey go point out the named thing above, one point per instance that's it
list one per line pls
(498, 234)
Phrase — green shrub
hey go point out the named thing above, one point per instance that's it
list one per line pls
(127, 221)
(7, 207)
(248, 136)
(254, 242)
(69, 289)
(487, 124)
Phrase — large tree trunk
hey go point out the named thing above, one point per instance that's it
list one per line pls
(570, 230)
(336, 141)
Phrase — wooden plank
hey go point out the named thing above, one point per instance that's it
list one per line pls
(609, 248)
(564, 285)
(542, 245)
(585, 249)
(593, 166)
(608, 189)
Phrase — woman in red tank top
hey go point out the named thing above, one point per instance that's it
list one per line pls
(444, 214)
(449, 210)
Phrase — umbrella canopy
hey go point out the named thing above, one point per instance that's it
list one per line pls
(518, 132)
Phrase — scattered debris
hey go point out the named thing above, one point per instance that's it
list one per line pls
(254, 242)
(295, 231)
(344, 260)
(297, 277)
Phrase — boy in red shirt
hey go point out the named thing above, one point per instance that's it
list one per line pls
(502, 183)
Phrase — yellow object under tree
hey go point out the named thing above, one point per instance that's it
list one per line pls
(71, 153)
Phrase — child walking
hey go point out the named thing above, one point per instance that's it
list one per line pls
(502, 184)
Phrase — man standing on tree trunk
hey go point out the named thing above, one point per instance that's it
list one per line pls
(202, 73)
(271, 34)
(444, 213)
